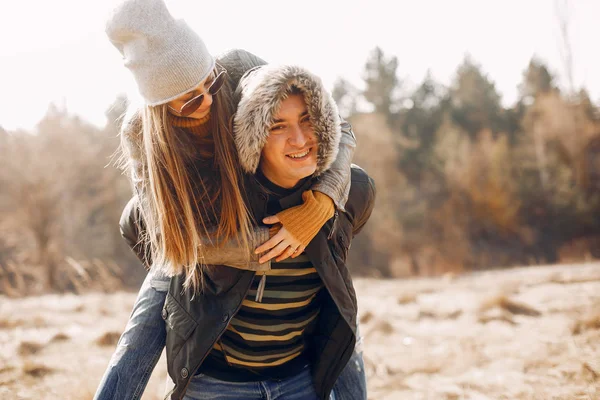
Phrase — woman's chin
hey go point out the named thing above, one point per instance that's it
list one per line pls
(203, 116)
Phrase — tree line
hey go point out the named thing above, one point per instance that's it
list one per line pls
(464, 183)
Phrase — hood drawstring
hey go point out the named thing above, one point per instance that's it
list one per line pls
(261, 288)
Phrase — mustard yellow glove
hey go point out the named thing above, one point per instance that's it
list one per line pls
(305, 221)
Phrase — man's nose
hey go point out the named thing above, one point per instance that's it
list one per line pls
(298, 136)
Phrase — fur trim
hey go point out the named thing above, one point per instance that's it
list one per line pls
(261, 92)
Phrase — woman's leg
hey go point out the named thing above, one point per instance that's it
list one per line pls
(140, 345)
(352, 382)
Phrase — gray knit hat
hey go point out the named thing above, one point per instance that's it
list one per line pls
(167, 58)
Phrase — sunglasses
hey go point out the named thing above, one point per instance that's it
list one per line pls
(193, 104)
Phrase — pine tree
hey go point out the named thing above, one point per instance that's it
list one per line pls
(475, 103)
(381, 81)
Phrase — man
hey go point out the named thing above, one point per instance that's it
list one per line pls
(262, 327)
(286, 329)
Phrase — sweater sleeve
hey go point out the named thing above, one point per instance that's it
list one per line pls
(230, 253)
(335, 182)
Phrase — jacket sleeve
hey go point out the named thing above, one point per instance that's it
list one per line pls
(230, 253)
(362, 199)
(335, 182)
(237, 62)
(132, 228)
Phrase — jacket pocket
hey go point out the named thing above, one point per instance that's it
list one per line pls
(179, 325)
(177, 318)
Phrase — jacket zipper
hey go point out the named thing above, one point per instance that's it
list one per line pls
(331, 232)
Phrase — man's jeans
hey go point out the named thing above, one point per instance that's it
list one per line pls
(143, 340)
(298, 387)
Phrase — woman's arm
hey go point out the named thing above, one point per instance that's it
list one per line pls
(335, 182)
(229, 253)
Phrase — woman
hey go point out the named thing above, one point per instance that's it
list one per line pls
(178, 148)
(179, 154)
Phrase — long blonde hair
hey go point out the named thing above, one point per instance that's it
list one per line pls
(184, 197)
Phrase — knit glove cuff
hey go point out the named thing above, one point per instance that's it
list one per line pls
(306, 220)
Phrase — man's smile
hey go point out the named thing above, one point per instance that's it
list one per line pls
(300, 155)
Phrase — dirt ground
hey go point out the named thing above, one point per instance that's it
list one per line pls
(527, 333)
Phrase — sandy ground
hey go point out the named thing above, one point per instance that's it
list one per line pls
(531, 333)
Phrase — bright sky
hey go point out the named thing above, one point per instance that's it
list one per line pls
(56, 51)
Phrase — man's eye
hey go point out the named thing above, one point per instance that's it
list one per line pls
(277, 128)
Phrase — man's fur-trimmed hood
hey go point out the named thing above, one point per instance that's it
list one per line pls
(260, 94)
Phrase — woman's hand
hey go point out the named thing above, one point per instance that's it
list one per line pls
(282, 245)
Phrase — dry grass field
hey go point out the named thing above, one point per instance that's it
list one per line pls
(526, 333)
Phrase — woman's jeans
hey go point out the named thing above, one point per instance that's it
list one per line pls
(143, 340)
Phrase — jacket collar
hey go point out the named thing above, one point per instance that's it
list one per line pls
(259, 196)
